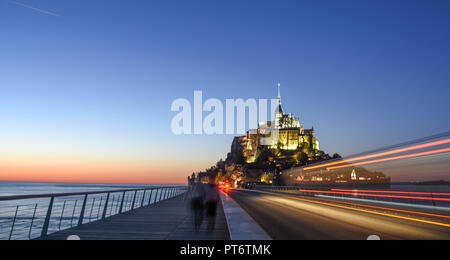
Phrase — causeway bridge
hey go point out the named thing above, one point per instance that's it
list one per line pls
(261, 213)
(400, 210)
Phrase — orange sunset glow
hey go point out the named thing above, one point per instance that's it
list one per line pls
(120, 171)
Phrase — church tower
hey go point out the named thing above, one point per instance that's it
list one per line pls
(279, 111)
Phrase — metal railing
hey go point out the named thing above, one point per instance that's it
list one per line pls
(36, 216)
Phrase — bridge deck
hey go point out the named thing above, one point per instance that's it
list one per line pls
(169, 219)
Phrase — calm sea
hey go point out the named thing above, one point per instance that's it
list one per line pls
(26, 188)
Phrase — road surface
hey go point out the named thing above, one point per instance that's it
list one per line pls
(287, 217)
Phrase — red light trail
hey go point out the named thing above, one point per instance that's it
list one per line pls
(351, 206)
(394, 158)
(373, 212)
(377, 195)
(396, 192)
(383, 208)
(415, 147)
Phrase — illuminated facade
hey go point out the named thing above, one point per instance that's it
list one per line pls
(348, 176)
(289, 134)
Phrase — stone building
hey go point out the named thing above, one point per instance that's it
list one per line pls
(285, 133)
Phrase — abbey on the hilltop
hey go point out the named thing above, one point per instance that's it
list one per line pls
(289, 134)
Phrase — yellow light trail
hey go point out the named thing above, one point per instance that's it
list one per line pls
(367, 211)
(355, 193)
(383, 208)
(393, 158)
(374, 212)
(415, 147)
(394, 192)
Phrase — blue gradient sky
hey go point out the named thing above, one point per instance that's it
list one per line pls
(93, 84)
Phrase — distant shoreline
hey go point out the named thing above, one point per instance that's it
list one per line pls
(91, 183)
(423, 183)
(436, 183)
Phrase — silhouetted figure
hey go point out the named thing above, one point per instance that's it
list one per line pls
(197, 201)
(211, 198)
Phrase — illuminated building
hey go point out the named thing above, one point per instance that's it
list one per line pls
(349, 176)
(290, 135)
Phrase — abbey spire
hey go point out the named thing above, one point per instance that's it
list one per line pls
(279, 108)
(279, 94)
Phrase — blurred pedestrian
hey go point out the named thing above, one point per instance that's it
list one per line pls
(212, 199)
(197, 205)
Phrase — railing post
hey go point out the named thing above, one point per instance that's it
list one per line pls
(73, 212)
(160, 195)
(143, 199)
(106, 205)
(134, 200)
(14, 222)
(114, 205)
(113, 208)
(62, 215)
(92, 209)
(99, 206)
(156, 195)
(150, 197)
(83, 209)
(121, 204)
(32, 221)
(47, 218)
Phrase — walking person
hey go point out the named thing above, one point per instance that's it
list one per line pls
(197, 205)
(212, 199)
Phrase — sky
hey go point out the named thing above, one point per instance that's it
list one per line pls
(86, 86)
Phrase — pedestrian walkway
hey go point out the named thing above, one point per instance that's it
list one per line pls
(168, 219)
(184, 231)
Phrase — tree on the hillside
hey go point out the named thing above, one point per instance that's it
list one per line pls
(300, 158)
(336, 156)
(265, 158)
